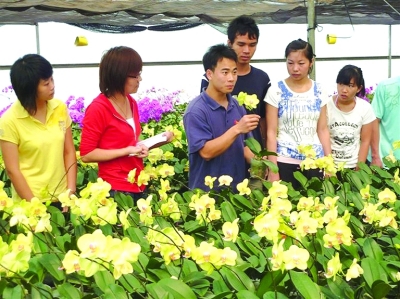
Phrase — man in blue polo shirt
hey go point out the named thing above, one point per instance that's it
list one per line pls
(215, 124)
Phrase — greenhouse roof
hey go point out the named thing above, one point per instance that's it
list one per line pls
(171, 13)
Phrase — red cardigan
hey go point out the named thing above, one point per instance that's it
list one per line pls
(105, 128)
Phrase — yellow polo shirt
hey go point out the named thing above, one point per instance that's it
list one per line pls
(40, 147)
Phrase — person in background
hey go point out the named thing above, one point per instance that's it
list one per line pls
(243, 35)
(386, 106)
(350, 119)
(215, 124)
(296, 115)
(111, 127)
(35, 134)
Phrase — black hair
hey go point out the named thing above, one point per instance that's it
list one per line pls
(116, 65)
(215, 54)
(300, 45)
(25, 75)
(349, 72)
(243, 25)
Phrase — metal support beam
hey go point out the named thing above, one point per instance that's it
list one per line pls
(311, 31)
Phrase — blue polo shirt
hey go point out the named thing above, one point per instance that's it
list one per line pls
(204, 120)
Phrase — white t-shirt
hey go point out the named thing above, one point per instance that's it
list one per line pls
(298, 115)
(345, 130)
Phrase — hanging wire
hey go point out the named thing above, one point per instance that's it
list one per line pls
(351, 22)
(391, 7)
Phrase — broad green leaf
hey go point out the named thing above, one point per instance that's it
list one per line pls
(355, 179)
(372, 271)
(188, 267)
(365, 167)
(301, 178)
(68, 291)
(372, 249)
(177, 288)
(61, 240)
(131, 283)
(41, 291)
(52, 264)
(245, 294)
(306, 287)
(115, 292)
(219, 285)
(241, 202)
(356, 227)
(339, 288)
(238, 279)
(136, 235)
(103, 279)
(380, 289)
(228, 211)
(224, 295)
(270, 281)
(274, 295)
(13, 293)
(253, 145)
(382, 172)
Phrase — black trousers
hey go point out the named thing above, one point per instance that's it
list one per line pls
(287, 170)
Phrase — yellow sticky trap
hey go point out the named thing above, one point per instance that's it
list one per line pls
(81, 41)
(331, 39)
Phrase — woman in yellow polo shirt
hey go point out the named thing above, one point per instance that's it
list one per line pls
(35, 134)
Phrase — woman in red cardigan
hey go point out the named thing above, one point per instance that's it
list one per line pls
(111, 127)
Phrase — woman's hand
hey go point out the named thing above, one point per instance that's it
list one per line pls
(140, 151)
(170, 136)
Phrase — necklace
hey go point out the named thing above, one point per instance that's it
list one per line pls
(123, 112)
(346, 110)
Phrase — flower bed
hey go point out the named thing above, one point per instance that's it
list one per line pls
(331, 239)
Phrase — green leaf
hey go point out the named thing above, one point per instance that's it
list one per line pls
(177, 288)
(300, 177)
(253, 145)
(380, 289)
(372, 271)
(188, 267)
(115, 292)
(270, 281)
(223, 295)
(103, 279)
(238, 279)
(52, 264)
(339, 288)
(372, 249)
(274, 295)
(13, 293)
(306, 287)
(131, 283)
(61, 240)
(241, 202)
(68, 291)
(228, 211)
(355, 179)
(245, 294)
(41, 291)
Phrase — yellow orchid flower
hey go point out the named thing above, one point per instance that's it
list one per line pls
(132, 176)
(209, 181)
(230, 230)
(243, 187)
(166, 170)
(71, 262)
(295, 257)
(387, 196)
(225, 180)
(333, 267)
